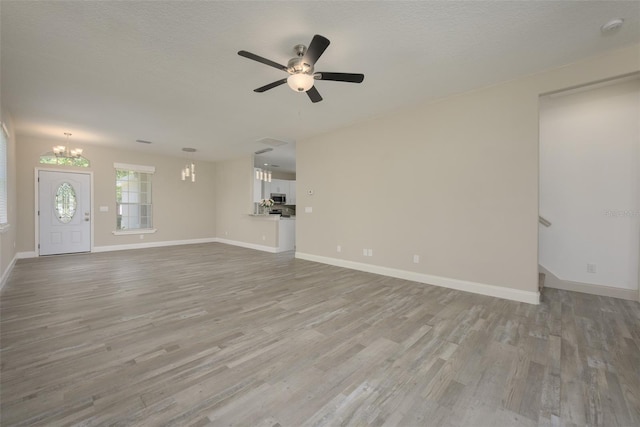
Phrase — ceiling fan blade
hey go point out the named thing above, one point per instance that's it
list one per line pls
(316, 49)
(262, 60)
(339, 77)
(270, 85)
(314, 95)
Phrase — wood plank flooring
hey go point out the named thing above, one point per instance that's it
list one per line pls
(218, 335)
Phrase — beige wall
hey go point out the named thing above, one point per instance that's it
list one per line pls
(454, 181)
(8, 237)
(182, 210)
(234, 189)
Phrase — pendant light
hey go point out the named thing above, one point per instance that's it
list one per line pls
(189, 170)
(263, 175)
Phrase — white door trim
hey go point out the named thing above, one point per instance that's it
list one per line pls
(37, 207)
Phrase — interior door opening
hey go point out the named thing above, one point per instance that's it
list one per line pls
(590, 188)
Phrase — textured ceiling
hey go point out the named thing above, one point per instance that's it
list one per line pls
(113, 72)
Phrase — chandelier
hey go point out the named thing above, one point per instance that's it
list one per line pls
(189, 170)
(64, 152)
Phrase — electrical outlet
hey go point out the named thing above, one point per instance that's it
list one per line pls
(416, 259)
(264, 237)
(591, 268)
(226, 233)
(142, 237)
(364, 252)
(370, 252)
(308, 209)
(338, 248)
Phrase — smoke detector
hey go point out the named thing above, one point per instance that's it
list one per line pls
(612, 26)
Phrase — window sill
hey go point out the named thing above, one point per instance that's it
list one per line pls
(4, 228)
(137, 231)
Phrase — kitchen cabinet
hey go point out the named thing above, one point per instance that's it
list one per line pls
(291, 197)
(263, 190)
(286, 234)
(279, 186)
(266, 190)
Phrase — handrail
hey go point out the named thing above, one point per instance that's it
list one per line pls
(544, 221)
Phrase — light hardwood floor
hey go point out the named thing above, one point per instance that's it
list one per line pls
(219, 335)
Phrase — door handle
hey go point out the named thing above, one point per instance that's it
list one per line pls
(86, 216)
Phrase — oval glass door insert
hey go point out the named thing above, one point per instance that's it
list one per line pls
(65, 203)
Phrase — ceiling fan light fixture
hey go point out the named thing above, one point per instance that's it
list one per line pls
(301, 69)
(300, 82)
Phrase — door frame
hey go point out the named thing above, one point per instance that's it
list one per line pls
(37, 207)
(594, 84)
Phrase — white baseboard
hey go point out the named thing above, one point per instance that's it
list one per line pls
(145, 245)
(24, 255)
(7, 272)
(110, 248)
(530, 297)
(250, 245)
(553, 281)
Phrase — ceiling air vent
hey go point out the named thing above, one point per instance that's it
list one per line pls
(266, 150)
(271, 142)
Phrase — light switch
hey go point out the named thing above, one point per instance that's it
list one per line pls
(104, 208)
(308, 209)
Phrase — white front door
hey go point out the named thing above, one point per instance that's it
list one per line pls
(64, 209)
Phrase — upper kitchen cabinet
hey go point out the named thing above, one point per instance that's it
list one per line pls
(280, 186)
(291, 197)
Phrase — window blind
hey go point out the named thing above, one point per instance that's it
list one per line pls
(4, 219)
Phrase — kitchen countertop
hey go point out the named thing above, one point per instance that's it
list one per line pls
(273, 217)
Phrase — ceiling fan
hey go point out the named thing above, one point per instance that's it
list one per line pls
(301, 69)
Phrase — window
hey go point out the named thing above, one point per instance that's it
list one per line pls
(133, 198)
(4, 218)
(66, 203)
(51, 159)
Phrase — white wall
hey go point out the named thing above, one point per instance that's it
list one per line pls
(454, 181)
(589, 184)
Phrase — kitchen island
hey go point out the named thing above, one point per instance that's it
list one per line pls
(271, 233)
(287, 234)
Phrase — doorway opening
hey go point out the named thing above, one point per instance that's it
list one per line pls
(589, 236)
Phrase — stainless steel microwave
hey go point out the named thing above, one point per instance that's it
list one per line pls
(279, 198)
